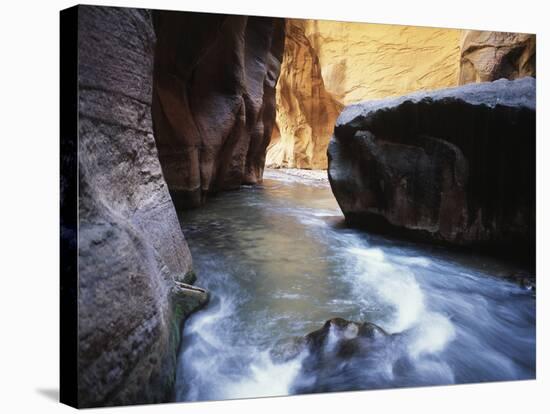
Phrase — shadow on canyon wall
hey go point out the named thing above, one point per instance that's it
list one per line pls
(173, 106)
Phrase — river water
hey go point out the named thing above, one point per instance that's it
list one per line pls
(279, 261)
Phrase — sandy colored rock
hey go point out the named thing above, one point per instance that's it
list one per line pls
(132, 253)
(356, 61)
(363, 61)
(305, 110)
(487, 56)
(214, 99)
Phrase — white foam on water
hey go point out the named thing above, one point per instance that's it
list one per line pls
(432, 335)
(325, 213)
(202, 359)
(286, 295)
(312, 221)
(216, 368)
(413, 261)
(438, 371)
(265, 379)
(396, 285)
(206, 324)
(332, 339)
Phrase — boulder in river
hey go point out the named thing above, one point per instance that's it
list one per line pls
(337, 339)
(455, 166)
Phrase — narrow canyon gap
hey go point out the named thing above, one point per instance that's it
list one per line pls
(176, 107)
(328, 65)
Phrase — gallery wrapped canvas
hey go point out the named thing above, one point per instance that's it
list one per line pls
(266, 206)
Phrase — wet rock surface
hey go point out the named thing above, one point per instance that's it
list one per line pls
(343, 338)
(330, 351)
(132, 252)
(455, 166)
(337, 339)
(214, 99)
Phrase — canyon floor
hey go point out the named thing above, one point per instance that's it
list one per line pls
(314, 176)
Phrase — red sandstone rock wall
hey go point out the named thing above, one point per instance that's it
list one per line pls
(214, 99)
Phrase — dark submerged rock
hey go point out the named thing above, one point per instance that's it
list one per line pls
(454, 166)
(342, 338)
(337, 349)
(525, 280)
(337, 339)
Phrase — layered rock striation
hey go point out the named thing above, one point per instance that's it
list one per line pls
(330, 64)
(214, 99)
(306, 112)
(455, 165)
(363, 61)
(488, 56)
(134, 264)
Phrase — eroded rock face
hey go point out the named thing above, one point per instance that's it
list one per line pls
(214, 99)
(397, 59)
(329, 64)
(488, 56)
(455, 165)
(133, 259)
(363, 61)
(306, 112)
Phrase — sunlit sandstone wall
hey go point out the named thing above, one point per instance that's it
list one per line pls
(328, 64)
(368, 61)
(306, 111)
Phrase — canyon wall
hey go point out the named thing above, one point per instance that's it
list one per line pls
(455, 166)
(134, 264)
(362, 61)
(488, 56)
(330, 64)
(206, 84)
(214, 99)
(305, 110)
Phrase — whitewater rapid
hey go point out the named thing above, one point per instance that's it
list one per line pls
(279, 262)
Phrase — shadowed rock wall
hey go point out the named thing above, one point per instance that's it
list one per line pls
(133, 257)
(214, 99)
(454, 165)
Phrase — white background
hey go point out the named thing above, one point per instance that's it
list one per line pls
(29, 160)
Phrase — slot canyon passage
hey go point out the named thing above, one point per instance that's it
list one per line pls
(274, 206)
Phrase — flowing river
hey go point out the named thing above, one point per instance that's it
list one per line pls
(279, 261)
